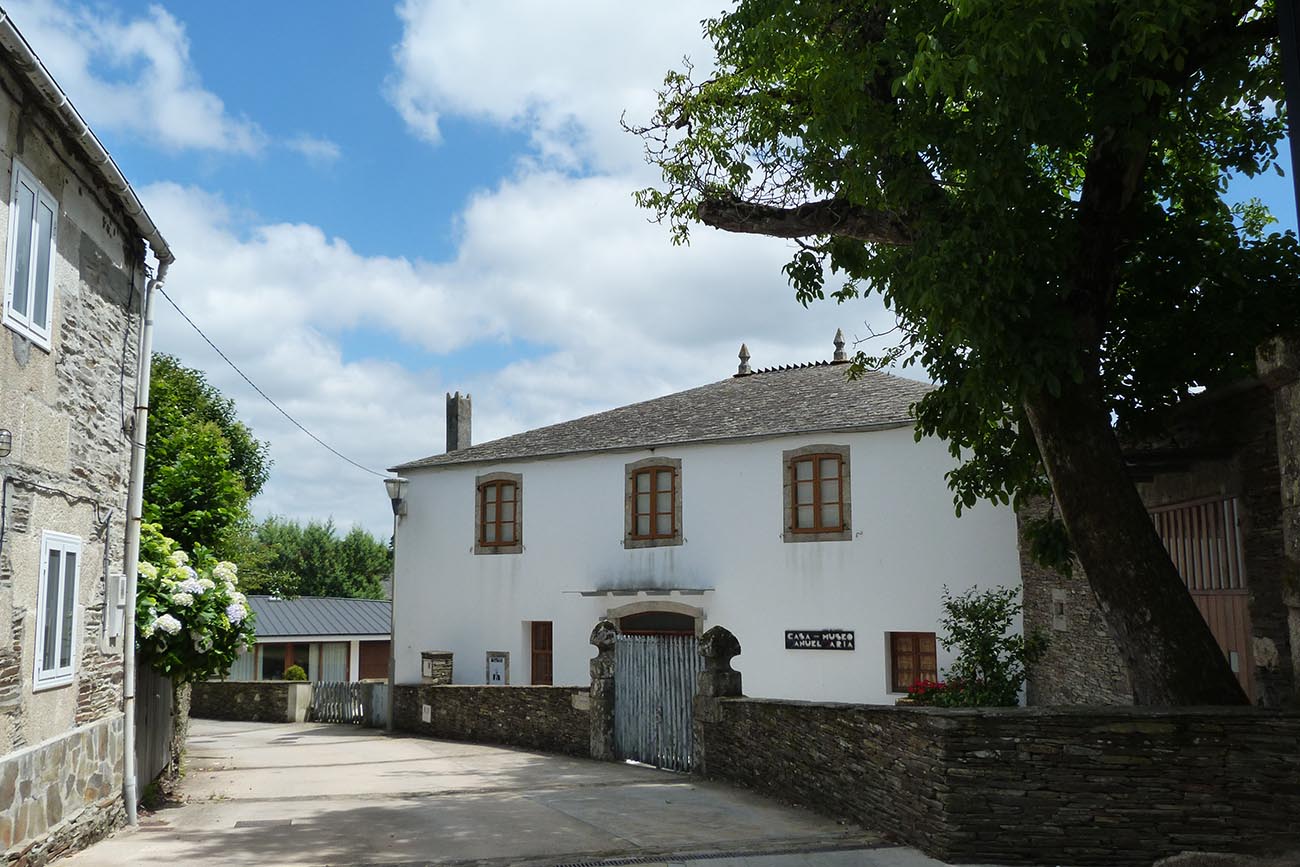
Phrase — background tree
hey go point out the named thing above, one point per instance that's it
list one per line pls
(286, 558)
(1037, 192)
(203, 464)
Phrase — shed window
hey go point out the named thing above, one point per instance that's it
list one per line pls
(33, 224)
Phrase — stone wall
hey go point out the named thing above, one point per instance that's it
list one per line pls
(251, 701)
(1080, 786)
(552, 718)
(61, 795)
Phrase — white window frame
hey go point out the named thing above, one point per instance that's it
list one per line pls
(59, 675)
(39, 333)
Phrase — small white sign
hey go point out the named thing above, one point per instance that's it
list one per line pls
(498, 668)
(426, 713)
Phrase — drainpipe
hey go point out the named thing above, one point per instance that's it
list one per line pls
(134, 509)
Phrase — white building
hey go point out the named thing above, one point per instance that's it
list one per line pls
(790, 505)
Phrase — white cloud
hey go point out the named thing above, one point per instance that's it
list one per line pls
(564, 73)
(545, 260)
(134, 75)
(320, 151)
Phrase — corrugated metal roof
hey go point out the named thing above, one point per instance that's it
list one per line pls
(317, 615)
(805, 398)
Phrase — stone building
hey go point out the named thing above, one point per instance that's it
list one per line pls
(791, 505)
(1223, 489)
(74, 276)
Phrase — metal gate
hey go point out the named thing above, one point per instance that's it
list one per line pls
(654, 687)
(363, 704)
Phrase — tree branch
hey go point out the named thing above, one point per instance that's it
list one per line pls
(830, 217)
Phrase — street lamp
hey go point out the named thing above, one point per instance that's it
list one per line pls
(6, 443)
(396, 487)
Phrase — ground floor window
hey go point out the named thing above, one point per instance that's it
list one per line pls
(57, 610)
(542, 653)
(912, 657)
(276, 659)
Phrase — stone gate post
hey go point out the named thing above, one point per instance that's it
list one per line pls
(602, 691)
(1278, 363)
(718, 680)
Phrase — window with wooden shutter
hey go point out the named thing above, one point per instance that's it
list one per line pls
(913, 657)
(653, 508)
(816, 501)
(498, 511)
(542, 653)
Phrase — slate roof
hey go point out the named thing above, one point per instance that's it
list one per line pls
(806, 398)
(316, 615)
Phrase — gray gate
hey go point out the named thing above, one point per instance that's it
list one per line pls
(654, 686)
(353, 703)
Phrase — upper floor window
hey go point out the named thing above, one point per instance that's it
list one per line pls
(817, 494)
(56, 622)
(653, 508)
(499, 509)
(33, 220)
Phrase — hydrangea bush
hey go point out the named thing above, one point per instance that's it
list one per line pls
(191, 620)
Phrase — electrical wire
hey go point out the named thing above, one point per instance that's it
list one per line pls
(264, 395)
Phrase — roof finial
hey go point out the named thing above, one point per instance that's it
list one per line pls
(743, 370)
(839, 346)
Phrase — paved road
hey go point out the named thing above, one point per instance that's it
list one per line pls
(315, 794)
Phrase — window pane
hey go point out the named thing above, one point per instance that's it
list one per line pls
(489, 533)
(507, 532)
(804, 517)
(23, 249)
(830, 467)
(508, 513)
(273, 656)
(508, 492)
(831, 517)
(41, 291)
(803, 493)
(664, 525)
(643, 504)
(803, 469)
(664, 480)
(490, 512)
(489, 493)
(831, 491)
(664, 503)
(50, 616)
(642, 482)
(302, 658)
(69, 607)
(643, 525)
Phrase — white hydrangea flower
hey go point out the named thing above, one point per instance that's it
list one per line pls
(202, 643)
(147, 631)
(190, 573)
(225, 571)
(167, 624)
(184, 600)
(179, 559)
(148, 570)
(238, 597)
(192, 586)
(236, 612)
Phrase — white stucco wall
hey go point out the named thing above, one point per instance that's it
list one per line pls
(906, 545)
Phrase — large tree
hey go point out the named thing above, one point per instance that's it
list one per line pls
(203, 464)
(1037, 191)
(285, 558)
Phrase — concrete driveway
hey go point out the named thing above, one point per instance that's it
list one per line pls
(316, 794)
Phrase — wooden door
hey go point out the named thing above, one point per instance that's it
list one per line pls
(542, 653)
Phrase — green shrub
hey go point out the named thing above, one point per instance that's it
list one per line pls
(991, 662)
(295, 672)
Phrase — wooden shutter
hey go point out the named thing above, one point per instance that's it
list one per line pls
(542, 653)
(913, 657)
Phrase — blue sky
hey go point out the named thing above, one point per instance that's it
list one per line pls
(372, 205)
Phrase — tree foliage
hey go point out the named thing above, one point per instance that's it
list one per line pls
(1038, 194)
(203, 464)
(285, 558)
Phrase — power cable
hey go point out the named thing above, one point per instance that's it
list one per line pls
(264, 395)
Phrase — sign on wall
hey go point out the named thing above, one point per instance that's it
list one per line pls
(498, 668)
(819, 639)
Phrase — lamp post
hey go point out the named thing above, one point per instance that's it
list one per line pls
(396, 487)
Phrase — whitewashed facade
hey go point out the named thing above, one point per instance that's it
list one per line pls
(733, 565)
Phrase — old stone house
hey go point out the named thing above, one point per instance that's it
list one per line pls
(1223, 489)
(74, 275)
(791, 505)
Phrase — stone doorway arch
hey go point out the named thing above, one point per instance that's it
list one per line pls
(657, 617)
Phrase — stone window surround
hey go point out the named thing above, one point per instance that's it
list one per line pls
(891, 658)
(614, 615)
(518, 546)
(629, 495)
(787, 489)
(58, 676)
(39, 334)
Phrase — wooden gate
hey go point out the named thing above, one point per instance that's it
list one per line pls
(1204, 541)
(654, 688)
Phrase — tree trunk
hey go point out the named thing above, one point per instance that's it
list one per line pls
(1171, 655)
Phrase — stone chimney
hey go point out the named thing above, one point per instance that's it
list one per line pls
(458, 411)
